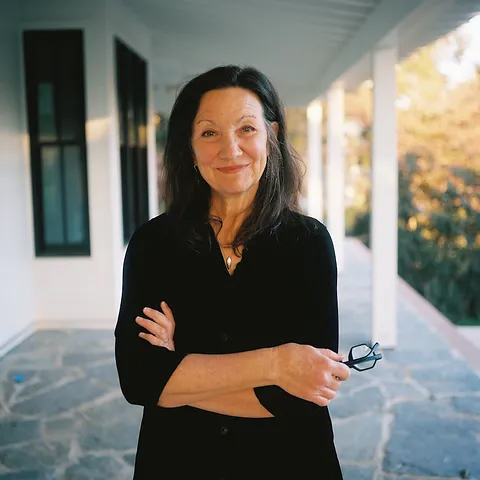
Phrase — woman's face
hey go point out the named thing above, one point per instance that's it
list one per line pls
(229, 140)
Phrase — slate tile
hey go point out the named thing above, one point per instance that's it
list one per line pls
(426, 440)
(34, 456)
(60, 399)
(18, 430)
(357, 438)
(92, 467)
(357, 472)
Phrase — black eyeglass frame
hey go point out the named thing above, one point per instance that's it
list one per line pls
(371, 355)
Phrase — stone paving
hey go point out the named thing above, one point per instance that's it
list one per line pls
(415, 416)
(62, 413)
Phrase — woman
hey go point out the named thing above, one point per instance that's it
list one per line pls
(234, 361)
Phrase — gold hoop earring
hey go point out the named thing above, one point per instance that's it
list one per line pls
(197, 173)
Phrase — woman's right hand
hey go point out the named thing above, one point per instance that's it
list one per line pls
(314, 374)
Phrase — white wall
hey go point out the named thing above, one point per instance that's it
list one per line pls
(79, 291)
(16, 301)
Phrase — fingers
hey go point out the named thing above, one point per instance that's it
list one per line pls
(153, 327)
(337, 357)
(161, 319)
(324, 397)
(334, 383)
(161, 327)
(168, 312)
(158, 317)
(327, 393)
(310, 373)
(340, 371)
(154, 340)
(159, 336)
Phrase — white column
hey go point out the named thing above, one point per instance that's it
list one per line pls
(383, 228)
(335, 184)
(153, 173)
(314, 172)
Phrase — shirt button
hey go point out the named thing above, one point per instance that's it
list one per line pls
(225, 337)
(223, 430)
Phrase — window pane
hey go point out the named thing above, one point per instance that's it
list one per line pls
(131, 95)
(69, 83)
(74, 198)
(54, 76)
(47, 131)
(52, 195)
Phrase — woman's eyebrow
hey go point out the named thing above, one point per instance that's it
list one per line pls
(238, 121)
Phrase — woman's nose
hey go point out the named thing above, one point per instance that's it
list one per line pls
(229, 147)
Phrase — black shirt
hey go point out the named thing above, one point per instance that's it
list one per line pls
(283, 290)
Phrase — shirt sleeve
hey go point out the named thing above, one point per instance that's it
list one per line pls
(143, 369)
(318, 307)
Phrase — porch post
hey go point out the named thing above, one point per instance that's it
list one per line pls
(335, 184)
(314, 171)
(384, 215)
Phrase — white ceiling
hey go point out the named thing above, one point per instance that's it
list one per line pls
(302, 45)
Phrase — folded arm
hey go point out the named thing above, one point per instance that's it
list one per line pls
(202, 376)
(154, 375)
(242, 403)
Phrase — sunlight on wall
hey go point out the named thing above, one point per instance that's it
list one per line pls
(97, 128)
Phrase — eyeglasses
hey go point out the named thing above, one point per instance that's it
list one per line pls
(362, 357)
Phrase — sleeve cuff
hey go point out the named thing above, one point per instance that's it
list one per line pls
(282, 404)
(145, 371)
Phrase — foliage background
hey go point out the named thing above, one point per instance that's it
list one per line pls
(439, 177)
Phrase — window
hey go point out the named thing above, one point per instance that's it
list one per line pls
(132, 112)
(54, 77)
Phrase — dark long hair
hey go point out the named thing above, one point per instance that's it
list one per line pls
(187, 194)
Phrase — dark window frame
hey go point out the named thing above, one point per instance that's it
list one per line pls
(30, 37)
(132, 99)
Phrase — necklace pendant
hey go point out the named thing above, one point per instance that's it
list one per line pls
(229, 263)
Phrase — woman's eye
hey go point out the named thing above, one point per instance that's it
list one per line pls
(208, 133)
(248, 128)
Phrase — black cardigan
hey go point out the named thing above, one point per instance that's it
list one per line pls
(283, 290)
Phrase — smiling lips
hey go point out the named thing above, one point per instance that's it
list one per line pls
(232, 169)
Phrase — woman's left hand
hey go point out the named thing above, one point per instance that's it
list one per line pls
(161, 326)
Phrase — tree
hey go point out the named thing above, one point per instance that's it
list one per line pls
(439, 182)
